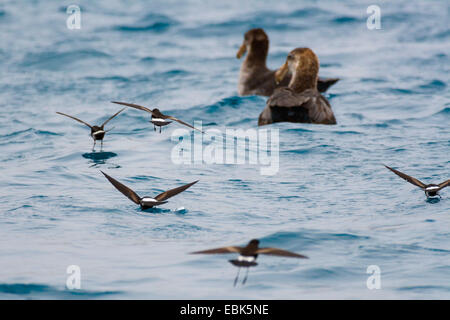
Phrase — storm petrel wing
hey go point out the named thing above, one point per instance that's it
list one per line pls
(130, 194)
(410, 179)
(132, 105)
(280, 252)
(444, 184)
(220, 250)
(110, 118)
(172, 192)
(182, 122)
(76, 119)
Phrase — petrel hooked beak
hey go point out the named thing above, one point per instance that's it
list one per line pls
(281, 73)
(241, 51)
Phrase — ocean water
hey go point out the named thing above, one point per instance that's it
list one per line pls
(331, 198)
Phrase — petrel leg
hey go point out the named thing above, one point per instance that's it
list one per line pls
(237, 276)
(101, 145)
(159, 129)
(154, 128)
(93, 147)
(246, 276)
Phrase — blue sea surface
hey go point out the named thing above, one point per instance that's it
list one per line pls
(332, 199)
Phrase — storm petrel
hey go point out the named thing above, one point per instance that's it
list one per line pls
(248, 255)
(97, 132)
(158, 119)
(431, 190)
(147, 202)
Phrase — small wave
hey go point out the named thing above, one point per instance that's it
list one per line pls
(433, 86)
(323, 273)
(324, 148)
(63, 9)
(16, 133)
(151, 22)
(302, 239)
(299, 130)
(445, 111)
(45, 291)
(30, 130)
(400, 91)
(110, 78)
(426, 35)
(60, 60)
(271, 20)
(148, 59)
(357, 116)
(25, 206)
(234, 102)
(145, 178)
(157, 27)
(378, 125)
(46, 133)
(174, 72)
(288, 197)
(345, 20)
(345, 132)
(330, 65)
(421, 289)
(373, 80)
(308, 12)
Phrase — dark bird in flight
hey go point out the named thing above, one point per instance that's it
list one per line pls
(248, 255)
(158, 119)
(147, 202)
(97, 132)
(431, 190)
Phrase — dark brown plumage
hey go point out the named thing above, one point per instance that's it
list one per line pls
(248, 255)
(97, 132)
(146, 202)
(254, 77)
(300, 101)
(252, 250)
(158, 118)
(431, 190)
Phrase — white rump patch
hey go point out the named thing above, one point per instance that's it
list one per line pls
(246, 259)
(432, 188)
(148, 200)
(158, 120)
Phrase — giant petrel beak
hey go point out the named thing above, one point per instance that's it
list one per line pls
(281, 73)
(241, 51)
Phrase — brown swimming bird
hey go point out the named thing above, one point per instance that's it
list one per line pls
(158, 119)
(147, 202)
(300, 101)
(248, 255)
(431, 190)
(97, 132)
(255, 78)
